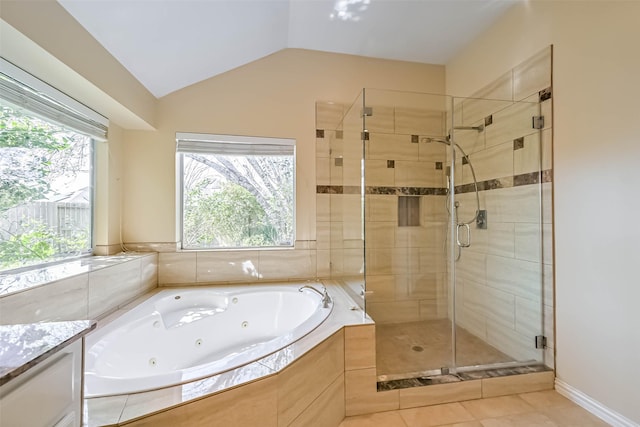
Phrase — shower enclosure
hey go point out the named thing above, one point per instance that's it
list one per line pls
(436, 208)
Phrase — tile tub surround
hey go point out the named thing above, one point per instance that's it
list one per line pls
(315, 364)
(237, 266)
(24, 346)
(31, 278)
(82, 289)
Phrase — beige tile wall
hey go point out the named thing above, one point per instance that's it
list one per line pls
(62, 300)
(305, 380)
(405, 265)
(501, 277)
(113, 286)
(84, 296)
(361, 395)
(239, 266)
(504, 280)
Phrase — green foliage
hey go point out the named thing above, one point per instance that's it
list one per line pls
(237, 201)
(38, 243)
(229, 217)
(34, 154)
(18, 130)
(26, 148)
(199, 231)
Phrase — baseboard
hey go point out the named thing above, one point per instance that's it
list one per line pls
(596, 408)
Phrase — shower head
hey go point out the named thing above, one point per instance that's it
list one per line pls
(479, 128)
(440, 140)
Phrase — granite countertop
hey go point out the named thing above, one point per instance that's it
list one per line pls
(24, 346)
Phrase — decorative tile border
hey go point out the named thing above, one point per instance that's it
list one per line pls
(416, 382)
(502, 372)
(407, 191)
(392, 191)
(337, 189)
(490, 184)
(462, 376)
(533, 178)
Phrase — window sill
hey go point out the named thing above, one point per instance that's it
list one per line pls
(298, 245)
(259, 248)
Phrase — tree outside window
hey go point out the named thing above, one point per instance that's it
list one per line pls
(45, 190)
(237, 197)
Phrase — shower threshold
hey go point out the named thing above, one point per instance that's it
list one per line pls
(433, 377)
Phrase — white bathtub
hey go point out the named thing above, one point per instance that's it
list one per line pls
(180, 335)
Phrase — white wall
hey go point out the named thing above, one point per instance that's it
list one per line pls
(44, 39)
(108, 193)
(596, 177)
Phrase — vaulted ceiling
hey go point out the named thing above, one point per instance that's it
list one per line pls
(171, 44)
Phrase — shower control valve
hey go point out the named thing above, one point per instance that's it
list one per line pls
(481, 219)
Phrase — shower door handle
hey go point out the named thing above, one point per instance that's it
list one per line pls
(467, 243)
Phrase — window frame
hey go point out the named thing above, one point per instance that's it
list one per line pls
(185, 140)
(24, 92)
(28, 92)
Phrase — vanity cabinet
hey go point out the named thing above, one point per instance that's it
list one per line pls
(41, 372)
(47, 395)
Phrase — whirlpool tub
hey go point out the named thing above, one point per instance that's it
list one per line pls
(181, 335)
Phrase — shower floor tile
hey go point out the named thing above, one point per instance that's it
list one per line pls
(407, 349)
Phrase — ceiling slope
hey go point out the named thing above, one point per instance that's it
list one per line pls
(171, 44)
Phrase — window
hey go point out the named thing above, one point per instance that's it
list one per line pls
(236, 192)
(46, 175)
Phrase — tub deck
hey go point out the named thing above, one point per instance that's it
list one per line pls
(114, 410)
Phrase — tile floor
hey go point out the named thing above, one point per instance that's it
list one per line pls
(412, 347)
(543, 409)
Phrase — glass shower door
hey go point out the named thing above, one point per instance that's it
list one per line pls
(347, 204)
(452, 239)
(495, 253)
(405, 223)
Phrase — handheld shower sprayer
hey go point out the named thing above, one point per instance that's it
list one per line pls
(458, 222)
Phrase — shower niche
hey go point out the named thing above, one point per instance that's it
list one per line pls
(438, 216)
(408, 211)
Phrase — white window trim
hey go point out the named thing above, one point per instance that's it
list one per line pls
(235, 139)
(86, 120)
(234, 145)
(191, 142)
